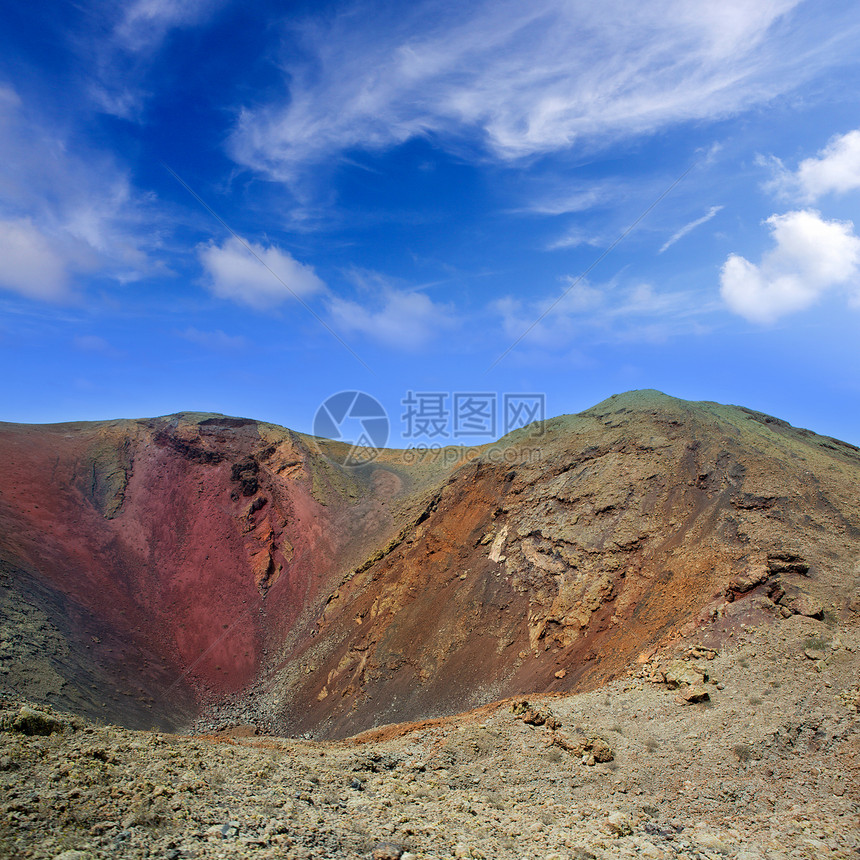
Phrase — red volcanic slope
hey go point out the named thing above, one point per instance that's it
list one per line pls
(169, 555)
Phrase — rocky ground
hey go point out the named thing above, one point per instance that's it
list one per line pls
(743, 743)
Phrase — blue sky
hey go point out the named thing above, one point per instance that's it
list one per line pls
(245, 208)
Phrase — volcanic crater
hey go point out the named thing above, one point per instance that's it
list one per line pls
(202, 570)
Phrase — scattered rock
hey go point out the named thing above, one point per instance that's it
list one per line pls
(535, 716)
(647, 849)
(601, 750)
(29, 721)
(387, 851)
(747, 581)
(594, 747)
(776, 592)
(227, 830)
(275, 827)
(619, 824)
(697, 652)
(711, 842)
(803, 604)
(787, 562)
(693, 693)
(680, 672)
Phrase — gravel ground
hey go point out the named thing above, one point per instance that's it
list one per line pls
(768, 766)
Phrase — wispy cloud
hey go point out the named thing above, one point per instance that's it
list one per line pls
(572, 200)
(688, 228)
(123, 50)
(574, 239)
(65, 210)
(406, 319)
(526, 79)
(145, 23)
(834, 170)
(589, 313)
(811, 256)
(254, 275)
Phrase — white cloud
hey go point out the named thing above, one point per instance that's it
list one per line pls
(835, 170)
(30, 265)
(261, 277)
(687, 228)
(589, 313)
(404, 320)
(811, 256)
(529, 78)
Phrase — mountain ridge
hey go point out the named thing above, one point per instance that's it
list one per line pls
(200, 564)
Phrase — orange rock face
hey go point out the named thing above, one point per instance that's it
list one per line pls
(181, 562)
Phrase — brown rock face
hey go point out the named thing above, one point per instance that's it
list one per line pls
(150, 568)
